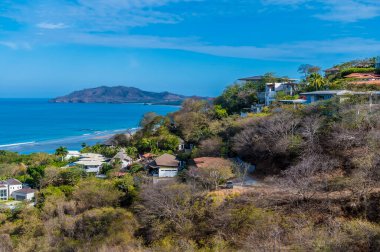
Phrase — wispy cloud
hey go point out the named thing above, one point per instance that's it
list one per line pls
(112, 23)
(16, 45)
(296, 51)
(51, 26)
(335, 10)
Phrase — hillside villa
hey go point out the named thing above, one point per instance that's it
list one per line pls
(287, 86)
(91, 162)
(164, 166)
(12, 188)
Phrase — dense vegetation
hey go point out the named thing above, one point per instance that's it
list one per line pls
(317, 168)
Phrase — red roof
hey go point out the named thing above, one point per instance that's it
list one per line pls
(148, 155)
(119, 174)
(363, 76)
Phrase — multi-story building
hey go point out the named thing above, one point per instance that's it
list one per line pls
(13, 188)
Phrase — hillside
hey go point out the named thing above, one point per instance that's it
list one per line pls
(119, 94)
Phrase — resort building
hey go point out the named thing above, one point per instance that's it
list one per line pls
(91, 162)
(13, 188)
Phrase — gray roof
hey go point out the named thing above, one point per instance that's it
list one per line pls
(327, 92)
(167, 160)
(13, 181)
(253, 78)
(293, 101)
(122, 156)
(25, 191)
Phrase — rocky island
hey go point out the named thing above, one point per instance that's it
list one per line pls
(121, 94)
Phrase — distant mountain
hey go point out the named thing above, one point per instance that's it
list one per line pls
(120, 94)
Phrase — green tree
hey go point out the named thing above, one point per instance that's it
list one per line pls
(316, 81)
(61, 152)
(220, 112)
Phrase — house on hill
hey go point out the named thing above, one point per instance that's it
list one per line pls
(322, 95)
(164, 166)
(91, 162)
(13, 188)
(268, 96)
(124, 159)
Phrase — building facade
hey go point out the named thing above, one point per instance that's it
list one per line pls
(12, 188)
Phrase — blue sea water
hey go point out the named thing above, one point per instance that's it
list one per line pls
(35, 125)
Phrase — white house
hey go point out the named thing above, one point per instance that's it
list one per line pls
(165, 166)
(91, 162)
(285, 85)
(272, 89)
(13, 188)
(23, 194)
(72, 154)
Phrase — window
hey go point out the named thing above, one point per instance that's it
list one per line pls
(3, 194)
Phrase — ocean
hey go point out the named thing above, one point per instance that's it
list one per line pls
(35, 125)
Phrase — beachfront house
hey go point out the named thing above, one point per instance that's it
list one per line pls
(164, 166)
(13, 188)
(122, 157)
(91, 162)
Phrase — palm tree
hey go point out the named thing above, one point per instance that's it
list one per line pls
(61, 152)
(83, 145)
(316, 81)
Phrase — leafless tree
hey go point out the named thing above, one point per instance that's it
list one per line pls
(304, 177)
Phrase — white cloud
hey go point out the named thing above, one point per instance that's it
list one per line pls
(16, 45)
(296, 51)
(336, 10)
(51, 26)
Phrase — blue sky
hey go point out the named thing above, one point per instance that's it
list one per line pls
(52, 47)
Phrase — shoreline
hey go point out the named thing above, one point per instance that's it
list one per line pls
(71, 142)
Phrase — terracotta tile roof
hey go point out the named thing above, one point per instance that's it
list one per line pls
(363, 76)
(148, 155)
(119, 174)
(167, 160)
